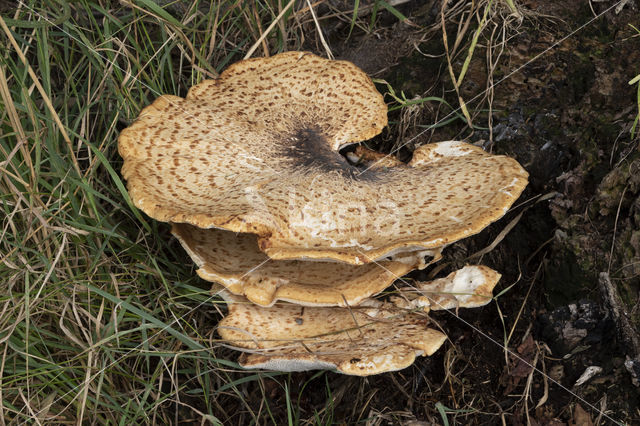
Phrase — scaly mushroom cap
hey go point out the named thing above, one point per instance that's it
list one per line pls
(256, 151)
(359, 341)
(235, 261)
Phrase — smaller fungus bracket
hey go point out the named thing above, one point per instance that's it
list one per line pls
(469, 287)
(360, 340)
(235, 261)
(374, 337)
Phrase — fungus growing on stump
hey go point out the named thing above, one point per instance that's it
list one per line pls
(469, 287)
(248, 169)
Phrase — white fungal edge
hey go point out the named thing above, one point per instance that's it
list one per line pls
(462, 287)
(465, 283)
(192, 254)
(452, 148)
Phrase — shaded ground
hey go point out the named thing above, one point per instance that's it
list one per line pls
(566, 117)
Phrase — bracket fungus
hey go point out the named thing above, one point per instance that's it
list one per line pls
(248, 169)
(363, 340)
(370, 338)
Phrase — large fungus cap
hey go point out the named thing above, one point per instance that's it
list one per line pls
(358, 341)
(256, 151)
(235, 261)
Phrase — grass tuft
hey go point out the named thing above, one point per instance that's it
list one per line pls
(102, 319)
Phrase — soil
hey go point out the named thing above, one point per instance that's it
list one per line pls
(569, 296)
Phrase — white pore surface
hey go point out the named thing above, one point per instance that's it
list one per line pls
(452, 149)
(279, 364)
(465, 283)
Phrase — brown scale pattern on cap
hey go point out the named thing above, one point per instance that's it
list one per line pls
(256, 151)
(359, 341)
(235, 261)
(449, 190)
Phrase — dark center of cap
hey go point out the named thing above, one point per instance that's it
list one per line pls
(307, 149)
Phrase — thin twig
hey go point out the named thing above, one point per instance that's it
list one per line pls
(319, 29)
(268, 30)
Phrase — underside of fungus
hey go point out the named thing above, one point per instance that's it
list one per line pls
(235, 261)
(370, 338)
(256, 151)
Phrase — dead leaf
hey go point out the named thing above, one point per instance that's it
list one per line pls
(580, 417)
